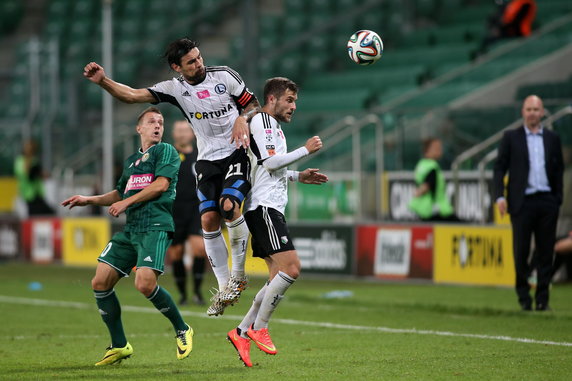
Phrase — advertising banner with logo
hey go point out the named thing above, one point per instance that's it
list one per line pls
(472, 199)
(324, 248)
(474, 255)
(395, 251)
(42, 239)
(84, 239)
(9, 238)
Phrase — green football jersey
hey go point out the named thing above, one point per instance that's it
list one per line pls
(139, 171)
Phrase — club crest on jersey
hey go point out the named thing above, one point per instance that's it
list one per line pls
(268, 135)
(203, 94)
(211, 114)
(139, 181)
(145, 157)
(220, 89)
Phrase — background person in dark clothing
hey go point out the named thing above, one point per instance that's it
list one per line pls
(186, 216)
(532, 156)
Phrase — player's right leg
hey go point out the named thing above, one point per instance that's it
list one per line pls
(209, 187)
(274, 244)
(115, 261)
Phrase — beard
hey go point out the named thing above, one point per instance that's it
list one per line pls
(197, 78)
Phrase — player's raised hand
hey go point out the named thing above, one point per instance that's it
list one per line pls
(313, 144)
(76, 200)
(94, 72)
(240, 133)
(312, 176)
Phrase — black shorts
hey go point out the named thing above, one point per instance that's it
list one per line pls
(269, 231)
(228, 177)
(187, 221)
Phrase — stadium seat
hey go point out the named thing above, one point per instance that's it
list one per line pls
(11, 13)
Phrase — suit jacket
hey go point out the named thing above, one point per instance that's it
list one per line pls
(513, 157)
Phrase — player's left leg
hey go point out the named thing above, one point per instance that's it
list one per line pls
(151, 247)
(236, 186)
(284, 269)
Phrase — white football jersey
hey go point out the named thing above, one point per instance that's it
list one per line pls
(211, 107)
(268, 188)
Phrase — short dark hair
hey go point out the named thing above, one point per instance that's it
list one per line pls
(177, 49)
(426, 143)
(147, 111)
(277, 86)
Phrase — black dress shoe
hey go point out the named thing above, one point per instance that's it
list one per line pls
(543, 307)
(526, 306)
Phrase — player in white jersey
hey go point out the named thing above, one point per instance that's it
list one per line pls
(217, 103)
(265, 211)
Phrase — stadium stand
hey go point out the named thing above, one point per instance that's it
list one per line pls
(426, 65)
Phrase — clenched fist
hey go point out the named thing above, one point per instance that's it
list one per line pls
(94, 72)
(313, 144)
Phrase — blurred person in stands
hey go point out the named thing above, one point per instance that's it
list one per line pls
(28, 171)
(512, 19)
(532, 156)
(186, 216)
(430, 202)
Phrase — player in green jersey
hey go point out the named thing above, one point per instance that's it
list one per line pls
(145, 193)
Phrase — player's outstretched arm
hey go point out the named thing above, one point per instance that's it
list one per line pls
(100, 200)
(312, 176)
(275, 162)
(154, 190)
(95, 73)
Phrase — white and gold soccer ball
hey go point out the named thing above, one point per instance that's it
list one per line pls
(365, 47)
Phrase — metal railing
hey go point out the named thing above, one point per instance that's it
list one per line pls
(350, 128)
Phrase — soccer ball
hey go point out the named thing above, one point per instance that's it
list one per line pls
(365, 47)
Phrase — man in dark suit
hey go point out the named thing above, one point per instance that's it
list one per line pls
(532, 155)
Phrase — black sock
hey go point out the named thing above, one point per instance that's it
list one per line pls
(198, 273)
(180, 275)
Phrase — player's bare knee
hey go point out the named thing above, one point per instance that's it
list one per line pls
(210, 221)
(144, 286)
(100, 283)
(228, 208)
(293, 268)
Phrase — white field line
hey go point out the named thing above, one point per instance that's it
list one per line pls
(87, 306)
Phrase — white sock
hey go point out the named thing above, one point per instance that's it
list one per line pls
(252, 312)
(273, 296)
(215, 246)
(238, 236)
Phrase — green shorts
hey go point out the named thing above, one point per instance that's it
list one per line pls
(127, 250)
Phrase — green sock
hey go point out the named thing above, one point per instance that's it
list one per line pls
(110, 311)
(162, 301)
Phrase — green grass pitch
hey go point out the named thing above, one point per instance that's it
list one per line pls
(386, 331)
